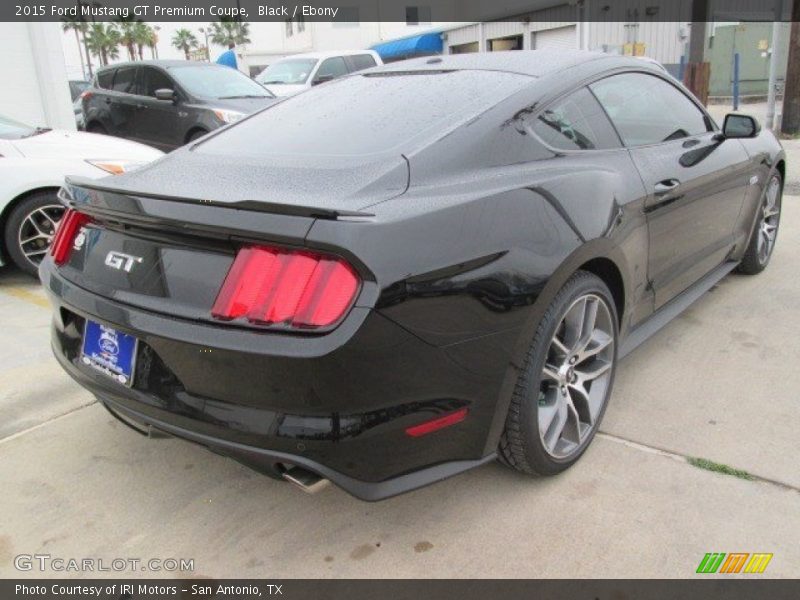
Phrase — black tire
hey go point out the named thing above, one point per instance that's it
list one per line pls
(755, 259)
(95, 127)
(17, 228)
(195, 135)
(521, 445)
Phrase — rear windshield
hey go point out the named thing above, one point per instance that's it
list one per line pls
(366, 114)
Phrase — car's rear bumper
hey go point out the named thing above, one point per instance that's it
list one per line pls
(337, 405)
(264, 459)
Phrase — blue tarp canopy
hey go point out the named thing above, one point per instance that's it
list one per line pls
(417, 45)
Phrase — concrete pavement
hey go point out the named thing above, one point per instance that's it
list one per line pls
(720, 383)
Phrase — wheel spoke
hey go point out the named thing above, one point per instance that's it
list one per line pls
(556, 426)
(595, 369)
(33, 238)
(572, 428)
(53, 223)
(36, 226)
(582, 399)
(598, 342)
(559, 346)
(31, 253)
(573, 324)
(550, 372)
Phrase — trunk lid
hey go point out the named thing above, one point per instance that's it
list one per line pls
(169, 257)
(283, 183)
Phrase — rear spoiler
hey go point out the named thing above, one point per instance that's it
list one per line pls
(71, 195)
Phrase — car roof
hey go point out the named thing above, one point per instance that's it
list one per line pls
(328, 54)
(535, 63)
(164, 64)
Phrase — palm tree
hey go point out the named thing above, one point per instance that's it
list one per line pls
(185, 40)
(103, 41)
(229, 31)
(153, 41)
(126, 35)
(79, 27)
(142, 34)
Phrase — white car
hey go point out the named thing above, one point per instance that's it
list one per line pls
(299, 72)
(33, 164)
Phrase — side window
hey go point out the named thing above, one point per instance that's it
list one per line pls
(576, 122)
(154, 79)
(645, 109)
(362, 61)
(105, 78)
(332, 67)
(124, 79)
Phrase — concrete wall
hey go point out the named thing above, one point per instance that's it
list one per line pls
(35, 88)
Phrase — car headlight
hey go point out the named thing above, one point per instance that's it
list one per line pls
(228, 116)
(116, 167)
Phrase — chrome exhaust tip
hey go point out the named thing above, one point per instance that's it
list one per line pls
(309, 482)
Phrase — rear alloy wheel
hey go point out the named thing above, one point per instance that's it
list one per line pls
(562, 393)
(762, 241)
(30, 229)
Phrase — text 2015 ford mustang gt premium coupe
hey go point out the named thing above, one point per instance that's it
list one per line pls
(412, 270)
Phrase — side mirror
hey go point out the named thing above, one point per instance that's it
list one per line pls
(740, 126)
(322, 79)
(166, 94)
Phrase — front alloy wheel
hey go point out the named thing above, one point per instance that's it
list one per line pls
(564, 386)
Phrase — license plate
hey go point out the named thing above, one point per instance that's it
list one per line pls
(109, 351)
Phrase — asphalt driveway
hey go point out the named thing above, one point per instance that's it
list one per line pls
(718, 383)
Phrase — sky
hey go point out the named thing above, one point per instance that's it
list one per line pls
(264, 35)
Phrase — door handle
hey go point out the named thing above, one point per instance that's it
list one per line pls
(666, 186)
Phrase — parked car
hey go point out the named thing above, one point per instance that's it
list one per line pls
(77, 87)
(301, 71)
(413, 270)
(77, 108)
(33, 164)
(169, 103)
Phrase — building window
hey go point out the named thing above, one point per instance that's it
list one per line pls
(347, 17)
(289, 29)
(418, 15)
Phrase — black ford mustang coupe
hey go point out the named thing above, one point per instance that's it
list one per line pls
(410, 271)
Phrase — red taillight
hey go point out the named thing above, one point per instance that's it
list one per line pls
(300, 289)
(68, 228)
(437, 423)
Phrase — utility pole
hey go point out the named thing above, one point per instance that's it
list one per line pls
(696, 74)
(777, 26)
(791, 90)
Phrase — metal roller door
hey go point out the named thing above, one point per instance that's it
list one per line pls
(560, 38)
